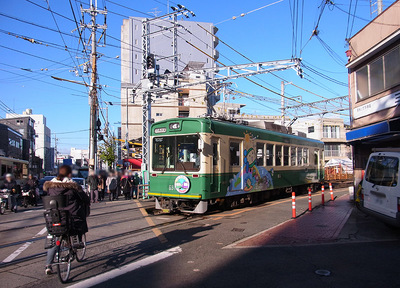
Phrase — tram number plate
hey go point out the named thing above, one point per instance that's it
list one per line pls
(171, 187)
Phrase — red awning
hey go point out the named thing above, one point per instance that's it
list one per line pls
(135, 163)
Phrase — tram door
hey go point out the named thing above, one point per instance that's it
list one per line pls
(216, 166)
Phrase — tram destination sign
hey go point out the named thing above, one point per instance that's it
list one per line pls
(160, 130)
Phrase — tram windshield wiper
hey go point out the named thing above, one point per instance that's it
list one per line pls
(183, 166)
(164, 168)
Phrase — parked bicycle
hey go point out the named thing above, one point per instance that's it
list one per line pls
(67, 247)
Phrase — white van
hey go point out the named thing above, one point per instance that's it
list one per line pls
(380, 187)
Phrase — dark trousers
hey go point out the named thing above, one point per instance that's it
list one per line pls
(112, 194)
(94, 195)
(101, 194)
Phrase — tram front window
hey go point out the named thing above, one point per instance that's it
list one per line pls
(176, 153)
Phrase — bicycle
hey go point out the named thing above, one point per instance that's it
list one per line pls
(68, 247)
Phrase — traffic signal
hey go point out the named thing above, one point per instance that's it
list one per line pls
(150, 61)
(101, 137)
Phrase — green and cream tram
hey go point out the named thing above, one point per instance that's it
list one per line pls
(197, 162)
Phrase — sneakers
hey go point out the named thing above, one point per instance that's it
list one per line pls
(48, 270)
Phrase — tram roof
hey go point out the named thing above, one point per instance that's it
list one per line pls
(177, 126)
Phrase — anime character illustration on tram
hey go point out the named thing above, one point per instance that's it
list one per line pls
(250, 178)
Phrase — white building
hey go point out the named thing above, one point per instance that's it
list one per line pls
(331, 131)
(43, 138)
(79, 156)
(161, 47)
(187, 103)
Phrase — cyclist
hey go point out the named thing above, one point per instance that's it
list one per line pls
(31, 185)
(77, 205)
(11, 185)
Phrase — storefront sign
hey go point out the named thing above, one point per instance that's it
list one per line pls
(377, 105)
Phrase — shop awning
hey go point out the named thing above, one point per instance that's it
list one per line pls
(382, 129)
(135, 163)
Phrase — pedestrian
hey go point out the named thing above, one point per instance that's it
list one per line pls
(111, 185)
(31, 186)
(131, 181)
(100, 187)
(119, 176)
(13, 188)
(93, 186)
(77, 205)
(126, 185)
(136, 183)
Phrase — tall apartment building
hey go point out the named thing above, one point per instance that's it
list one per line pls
(187, 103)
(42, 141)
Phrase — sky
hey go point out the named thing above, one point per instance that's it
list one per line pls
(263, 35)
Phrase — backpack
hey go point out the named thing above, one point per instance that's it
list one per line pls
(113, 184)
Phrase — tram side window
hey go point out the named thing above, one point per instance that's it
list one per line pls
(260, 154)
(305, 156)
(215, 154)
(285, 156)
(270, 155)
(300, 156)
(278, 155)
(292, 156)
(234, 149)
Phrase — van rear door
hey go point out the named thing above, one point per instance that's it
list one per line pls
(381, 191)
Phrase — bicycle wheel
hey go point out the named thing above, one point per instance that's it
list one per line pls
(64, 259)
(80, 253)
(2, 208)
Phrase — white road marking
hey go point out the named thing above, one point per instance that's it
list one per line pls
(17, 252)
(23, 247)
(41, 232)
(163, 218)
(96, 280)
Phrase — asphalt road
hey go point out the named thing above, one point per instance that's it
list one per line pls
(140, 250)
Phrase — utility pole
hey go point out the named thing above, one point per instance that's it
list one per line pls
(282, 103)
(149, 72)
(380, 7)
(93, 101)
(55, 151)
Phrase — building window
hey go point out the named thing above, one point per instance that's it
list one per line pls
(234, 150)
(183, 100)
(331, 131)
(136, 27)
(332, 150)
(311, 129)
(136, 42)
(136, 72)
(362, 83)
(381, 74)
(376, 70)
(392, 67)
(260, 154)
(183, 114)
(136, 56)
(158, 114)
